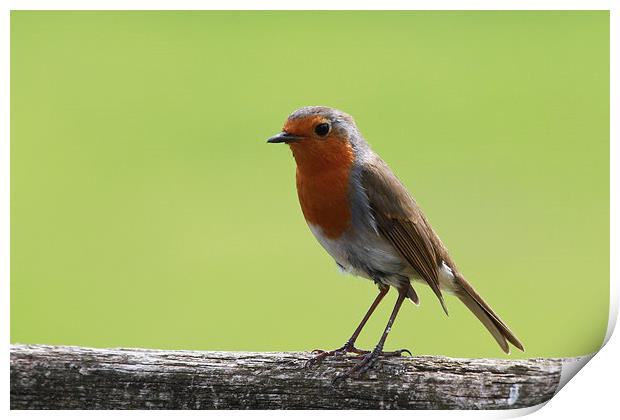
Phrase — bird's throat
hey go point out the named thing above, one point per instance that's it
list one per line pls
(323, 182)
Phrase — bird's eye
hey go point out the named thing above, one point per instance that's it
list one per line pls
(322, 129)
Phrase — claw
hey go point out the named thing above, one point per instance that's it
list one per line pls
(320, 355)
(315, 360)
(398, 353)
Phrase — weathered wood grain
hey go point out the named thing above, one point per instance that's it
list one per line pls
(52, 377)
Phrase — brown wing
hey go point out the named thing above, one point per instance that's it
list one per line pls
(402, 223)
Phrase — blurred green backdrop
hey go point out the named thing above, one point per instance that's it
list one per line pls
(148, 211)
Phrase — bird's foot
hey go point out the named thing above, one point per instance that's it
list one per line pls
(320, 355)
(366, 363)
(395, 353)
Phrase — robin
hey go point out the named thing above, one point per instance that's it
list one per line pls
(368, 222)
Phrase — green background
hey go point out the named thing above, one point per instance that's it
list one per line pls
(148, 211)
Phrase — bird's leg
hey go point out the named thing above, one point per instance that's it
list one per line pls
(349, 346)
(369, 359)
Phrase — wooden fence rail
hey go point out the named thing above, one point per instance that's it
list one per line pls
(54, 377)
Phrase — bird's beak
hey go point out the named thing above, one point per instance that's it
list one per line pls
(283, 137)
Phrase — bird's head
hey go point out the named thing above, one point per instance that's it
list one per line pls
(321, 137)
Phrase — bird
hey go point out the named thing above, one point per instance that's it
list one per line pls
(368, 222)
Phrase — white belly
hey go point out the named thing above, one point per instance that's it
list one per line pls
(368, 253)
(362, 253)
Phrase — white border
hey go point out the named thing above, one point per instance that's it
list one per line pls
(312, 5)
(601, 383)
(5, 171)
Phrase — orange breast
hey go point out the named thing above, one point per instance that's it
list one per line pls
(323, 172)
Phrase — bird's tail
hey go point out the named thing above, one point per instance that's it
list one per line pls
(498, 329)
